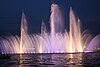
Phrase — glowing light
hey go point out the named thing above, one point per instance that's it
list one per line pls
(54, 42)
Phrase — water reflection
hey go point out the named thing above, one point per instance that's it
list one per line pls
(52, 60)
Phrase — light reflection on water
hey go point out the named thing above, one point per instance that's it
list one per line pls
(52, 60)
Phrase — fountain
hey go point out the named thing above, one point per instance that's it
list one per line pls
(56, 41)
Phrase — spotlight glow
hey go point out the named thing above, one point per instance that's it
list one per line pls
(54, 42)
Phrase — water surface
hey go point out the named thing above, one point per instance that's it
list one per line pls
(51, 60)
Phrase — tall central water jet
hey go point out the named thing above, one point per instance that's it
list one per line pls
(56, 24)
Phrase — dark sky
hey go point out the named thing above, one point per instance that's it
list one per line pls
(35, 10)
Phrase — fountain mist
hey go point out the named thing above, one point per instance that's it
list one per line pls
(56, 41)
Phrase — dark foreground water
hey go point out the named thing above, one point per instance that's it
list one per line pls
(51, 60)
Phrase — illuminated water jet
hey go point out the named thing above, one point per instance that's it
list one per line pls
(54, 42)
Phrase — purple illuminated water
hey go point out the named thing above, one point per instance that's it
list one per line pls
(74, 40)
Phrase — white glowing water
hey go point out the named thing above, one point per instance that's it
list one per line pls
(54, 42)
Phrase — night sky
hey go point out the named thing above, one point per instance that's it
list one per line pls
(37, 10)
